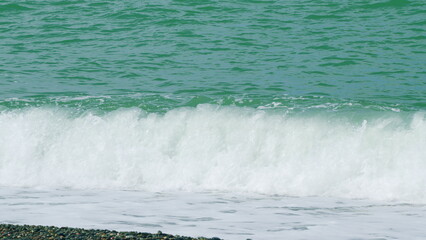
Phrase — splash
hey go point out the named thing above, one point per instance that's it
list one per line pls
(212, 148)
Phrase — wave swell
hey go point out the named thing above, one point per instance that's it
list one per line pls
(211, 148)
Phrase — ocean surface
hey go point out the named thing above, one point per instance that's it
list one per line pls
(261, 119)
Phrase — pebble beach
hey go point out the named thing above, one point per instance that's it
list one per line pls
(9, 231)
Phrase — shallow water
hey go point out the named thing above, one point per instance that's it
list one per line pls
(224, 215)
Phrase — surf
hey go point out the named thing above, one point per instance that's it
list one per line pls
(214, 148)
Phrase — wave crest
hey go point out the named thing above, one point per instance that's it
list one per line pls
(216, 148)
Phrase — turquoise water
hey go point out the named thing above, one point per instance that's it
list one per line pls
(160, 55)
(260, 119)
(296, 98)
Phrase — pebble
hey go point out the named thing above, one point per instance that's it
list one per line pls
(27, 232)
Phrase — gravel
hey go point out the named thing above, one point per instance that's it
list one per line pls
(29, 232)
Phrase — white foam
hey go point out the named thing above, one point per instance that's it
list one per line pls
(212, 148)
(225, 215)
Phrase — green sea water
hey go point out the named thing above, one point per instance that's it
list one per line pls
(280, 97)
(166, 54)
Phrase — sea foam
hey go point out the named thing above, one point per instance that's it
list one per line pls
(211, 148)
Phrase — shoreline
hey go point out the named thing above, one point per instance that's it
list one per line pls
(37, 232)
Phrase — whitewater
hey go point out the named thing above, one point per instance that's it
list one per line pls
(225, 171)
(211, 148)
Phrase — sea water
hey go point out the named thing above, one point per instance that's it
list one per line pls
(221, 214)
(236, 119)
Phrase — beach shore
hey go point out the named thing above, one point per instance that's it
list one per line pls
(9, 231)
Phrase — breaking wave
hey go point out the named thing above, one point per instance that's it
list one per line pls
(212, 148)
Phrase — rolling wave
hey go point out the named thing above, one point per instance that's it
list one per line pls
(213, 148)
